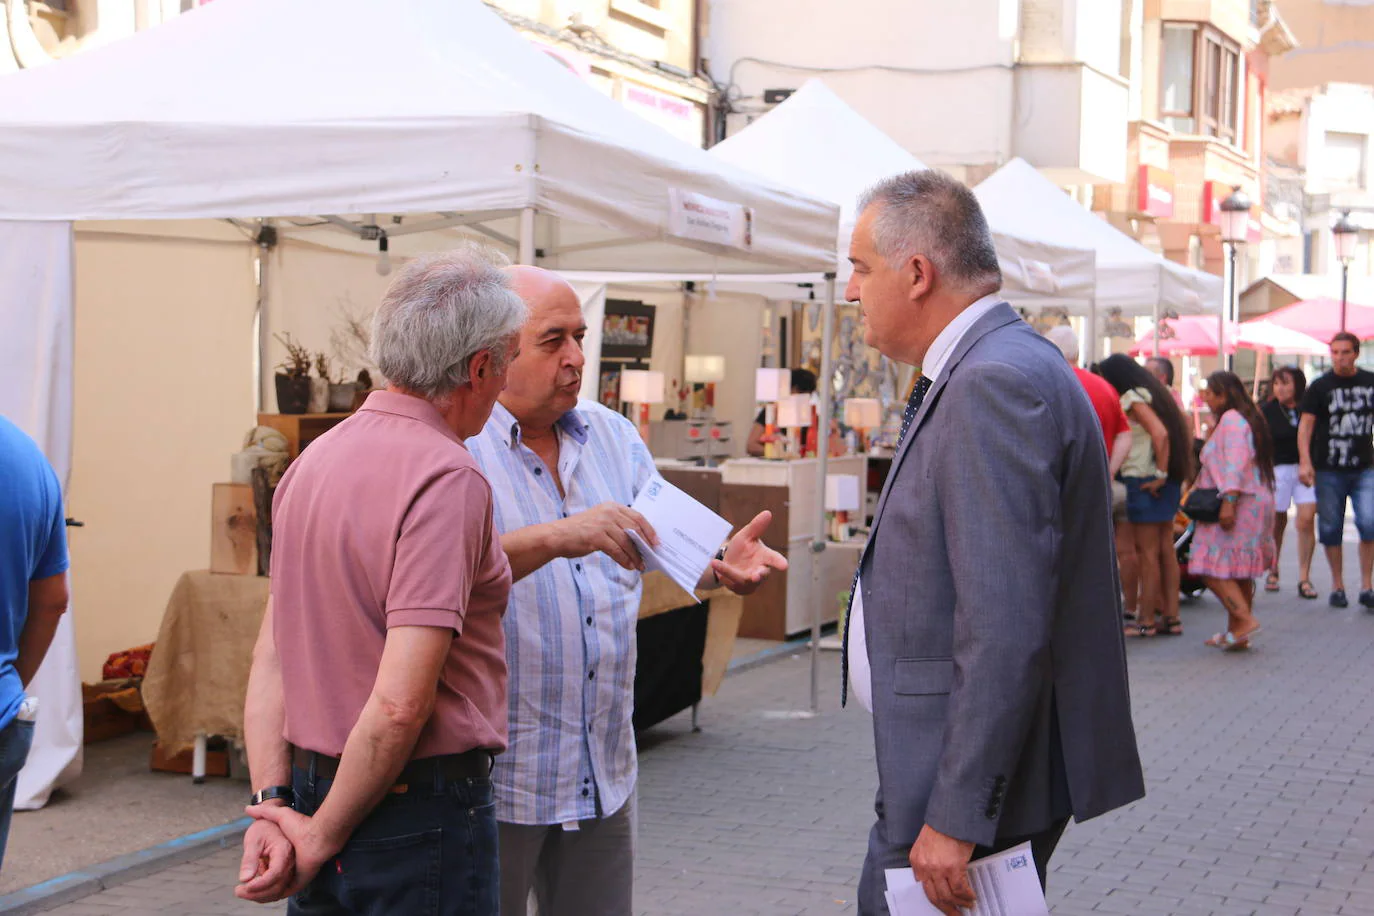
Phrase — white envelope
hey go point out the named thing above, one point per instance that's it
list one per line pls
(689, 534)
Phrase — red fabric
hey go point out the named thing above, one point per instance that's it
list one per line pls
(1107, 404)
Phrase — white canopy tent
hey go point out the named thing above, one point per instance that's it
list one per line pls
(381, 107)
(346, 123)
(1130, 277)
(817, 143)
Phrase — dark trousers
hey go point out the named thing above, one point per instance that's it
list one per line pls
(1042, 847)
(430, 849)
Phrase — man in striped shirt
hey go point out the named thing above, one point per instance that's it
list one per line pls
(563, 473)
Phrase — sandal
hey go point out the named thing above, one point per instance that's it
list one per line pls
(1139, 630)
(1128, 616)
(1170, 626)
(1230, 642)
(1271, 582)
(1307, 590)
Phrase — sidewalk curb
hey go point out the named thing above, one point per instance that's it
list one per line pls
(93, 879)
(771, 654)
(120, 870)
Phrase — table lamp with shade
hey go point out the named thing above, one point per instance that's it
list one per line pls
(704, 370)
(794, 412)
(770, 387)
(863, 414)
(841, 498)
(642, 387)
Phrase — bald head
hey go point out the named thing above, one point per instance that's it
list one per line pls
(540, 287)
(545, 377)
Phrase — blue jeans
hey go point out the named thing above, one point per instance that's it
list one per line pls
(15, 741)
(1333, 489)
(428, 850)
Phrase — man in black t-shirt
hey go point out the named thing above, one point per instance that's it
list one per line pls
(1337, 453)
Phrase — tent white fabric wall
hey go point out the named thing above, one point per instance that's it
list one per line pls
(163, 396)
(36, 395)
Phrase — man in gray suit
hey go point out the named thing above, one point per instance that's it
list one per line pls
(985, 630)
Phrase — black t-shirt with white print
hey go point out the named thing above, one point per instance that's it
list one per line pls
(1344, 408)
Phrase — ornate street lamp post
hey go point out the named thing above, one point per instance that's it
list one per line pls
(1235, 226)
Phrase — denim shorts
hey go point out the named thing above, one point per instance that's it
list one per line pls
(1142, 508)
(1333, 489)
(431, 849)
(15, 741)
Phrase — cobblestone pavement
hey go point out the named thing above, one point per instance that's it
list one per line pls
(1260, 768)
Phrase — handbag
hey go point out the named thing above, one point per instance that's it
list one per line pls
(1203, 504)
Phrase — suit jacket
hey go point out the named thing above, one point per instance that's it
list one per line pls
(992, 606)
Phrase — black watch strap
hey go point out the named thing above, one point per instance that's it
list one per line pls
(272, 792)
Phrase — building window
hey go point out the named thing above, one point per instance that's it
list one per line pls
(1200, 81)
(1343, 161)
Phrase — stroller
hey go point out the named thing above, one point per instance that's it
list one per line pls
(1189, 587)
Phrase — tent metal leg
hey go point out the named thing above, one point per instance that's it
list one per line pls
(526, 253)
(825, 388)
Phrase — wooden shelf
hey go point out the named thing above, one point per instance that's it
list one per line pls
(300, 429)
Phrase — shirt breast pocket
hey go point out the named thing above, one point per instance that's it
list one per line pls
(923, 676)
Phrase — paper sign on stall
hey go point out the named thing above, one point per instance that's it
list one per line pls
(689, 534)
(1006, 884)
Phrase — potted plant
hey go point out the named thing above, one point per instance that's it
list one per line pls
(341, 391)
(319, 385)
(293, 377)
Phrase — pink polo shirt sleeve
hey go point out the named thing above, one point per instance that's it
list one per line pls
(444, 538)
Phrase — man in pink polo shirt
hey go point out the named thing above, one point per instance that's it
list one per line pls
(377, 697)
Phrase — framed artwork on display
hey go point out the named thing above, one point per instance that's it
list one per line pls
(608, 389)
(627, 331)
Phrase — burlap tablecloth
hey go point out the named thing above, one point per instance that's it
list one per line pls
(198, 673)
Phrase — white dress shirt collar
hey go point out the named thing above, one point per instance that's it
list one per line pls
(943, 346)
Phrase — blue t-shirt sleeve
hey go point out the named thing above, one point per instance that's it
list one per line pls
(53, 560)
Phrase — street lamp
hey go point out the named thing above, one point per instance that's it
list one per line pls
(1346, 234)
(1235, 226)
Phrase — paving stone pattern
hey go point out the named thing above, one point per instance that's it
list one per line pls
(1260, 768)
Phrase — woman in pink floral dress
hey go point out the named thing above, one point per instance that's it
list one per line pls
(1238, 461)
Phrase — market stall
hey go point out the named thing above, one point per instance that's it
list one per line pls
(371, 129)
(1131, 279)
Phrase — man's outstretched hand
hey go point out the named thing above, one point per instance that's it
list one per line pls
(748, 561)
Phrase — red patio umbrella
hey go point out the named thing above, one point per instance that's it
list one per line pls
(1321, 318)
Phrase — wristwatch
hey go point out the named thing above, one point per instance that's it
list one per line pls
(285, 793)
(1232, 497)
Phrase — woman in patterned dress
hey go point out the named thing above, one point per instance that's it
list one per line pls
(1231, 553)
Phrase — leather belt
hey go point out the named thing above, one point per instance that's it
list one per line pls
(473, 764)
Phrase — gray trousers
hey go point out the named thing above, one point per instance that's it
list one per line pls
(584, 872)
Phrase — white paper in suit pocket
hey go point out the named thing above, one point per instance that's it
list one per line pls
(1006, 884)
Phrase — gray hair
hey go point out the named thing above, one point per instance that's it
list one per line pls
(440, 312)
(928, 212)
(1063, 337)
